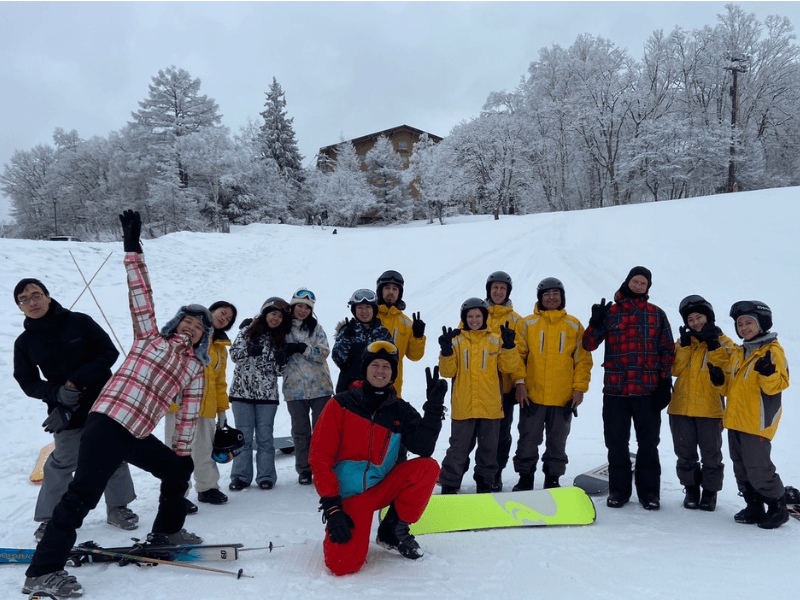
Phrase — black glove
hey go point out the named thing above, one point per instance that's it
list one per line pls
(417, 326)
(280, 356)
(295, 348)
(69, 397)
(599, 312)
(663, 393)
(58, 420)
(446, 340)
(255, 350)
(186, 464)
(339, 522)
(710, 335)
(508, 335)
(131, 230)
(349, 329)
(764, 365)
(435, 392)
(686, 336)
(716, 374)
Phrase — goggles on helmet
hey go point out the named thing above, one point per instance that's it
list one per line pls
(305, 294)
(364, 297)
(387, 347)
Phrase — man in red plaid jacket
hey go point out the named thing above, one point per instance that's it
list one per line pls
(162, 366)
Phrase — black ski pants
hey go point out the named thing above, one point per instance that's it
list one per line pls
(618, 412)
(105, 444)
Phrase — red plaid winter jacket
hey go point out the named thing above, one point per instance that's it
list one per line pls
(639, 346)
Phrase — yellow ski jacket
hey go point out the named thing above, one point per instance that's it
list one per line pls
(399, 325)
(694, 395)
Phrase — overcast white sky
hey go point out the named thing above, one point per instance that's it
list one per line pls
(347, 68)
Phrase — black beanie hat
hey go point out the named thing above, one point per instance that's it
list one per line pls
(644, 271)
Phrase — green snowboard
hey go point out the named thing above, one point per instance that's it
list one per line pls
(537, 508)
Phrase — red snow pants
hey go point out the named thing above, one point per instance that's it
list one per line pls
(409, 485)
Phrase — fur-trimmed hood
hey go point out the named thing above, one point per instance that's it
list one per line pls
(201, 348)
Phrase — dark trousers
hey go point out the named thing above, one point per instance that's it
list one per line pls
(689, 434)
(463, 436)
(504, 437)
(618, 412)
(105, 444)
(753, 464)
(534, 421)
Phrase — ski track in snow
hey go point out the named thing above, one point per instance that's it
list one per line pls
(627, 553)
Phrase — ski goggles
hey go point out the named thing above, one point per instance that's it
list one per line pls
(278, 303)
(748, 307)
(692, 300)
(364, 297)
(305, 294)
(382, 346)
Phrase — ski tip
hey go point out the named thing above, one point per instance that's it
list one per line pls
(41, 595)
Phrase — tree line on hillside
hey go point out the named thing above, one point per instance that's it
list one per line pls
(587, 127)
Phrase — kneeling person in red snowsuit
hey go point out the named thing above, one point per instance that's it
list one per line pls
(356, 461)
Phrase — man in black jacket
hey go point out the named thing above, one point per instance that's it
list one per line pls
(75, 356)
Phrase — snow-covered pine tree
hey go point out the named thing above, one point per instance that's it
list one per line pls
(385, 166)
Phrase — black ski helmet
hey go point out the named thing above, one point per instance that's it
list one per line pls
(499, 277)
(471, 303)
(696, 304)
(550, 283)
(380, 349)
(363, 297)
(754, 308)
(228, 442)
(391, 277)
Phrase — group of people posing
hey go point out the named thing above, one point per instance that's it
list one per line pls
(352, 439)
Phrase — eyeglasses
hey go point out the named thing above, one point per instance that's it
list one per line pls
(35, 297)
(384, 346)
(305, 294)
(363, 297)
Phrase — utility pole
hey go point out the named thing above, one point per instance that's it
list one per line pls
(739, 65)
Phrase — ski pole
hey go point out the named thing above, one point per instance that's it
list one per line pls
(98, 304)
(86, 286)
(139, 559)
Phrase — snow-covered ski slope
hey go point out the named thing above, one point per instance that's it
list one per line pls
(727, 248)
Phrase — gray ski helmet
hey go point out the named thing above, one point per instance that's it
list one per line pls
(276, 303)
(390, 277)
(228, 442)
(754, 308)
(471, 303)
(499, 277)
(696, 304)
(365, 297)
(550, 283)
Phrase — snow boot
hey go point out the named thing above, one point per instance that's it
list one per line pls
(525, 483)
(393, 534)
(692, 498)
(212, 496)
(615, 500)
(191, 507)
(122, 517)
(59, 583)
(650, 501)
(498, 481)
(754, 511)
(777, 513)
(39, 533)
(708, 500)
(449, 490)
(551, 481)
(180, 538)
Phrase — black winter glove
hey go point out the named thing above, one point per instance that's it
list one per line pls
(295, 348)
(281, 358)
(58, 420)
(435, 392)
(764, 365)
(716, 374)
(446, 340)
(186, 464)
(69, 397)
(508, 335)
(417, 326)
(349, 329)
(686, 336)
(339, 523)
(599, 312)
(131, 231)
(710, 335)
(663, 393)
(255, 350)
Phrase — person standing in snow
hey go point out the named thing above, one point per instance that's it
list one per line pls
(259, 352)
(408, 335)
(475, 357)
(695, 411)
(307, 382)
(637, 385)
(75, 356)
(353, 335)
(160, 367)
(356, 461)
(555, 375)
(755, 377)
(212, 409)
